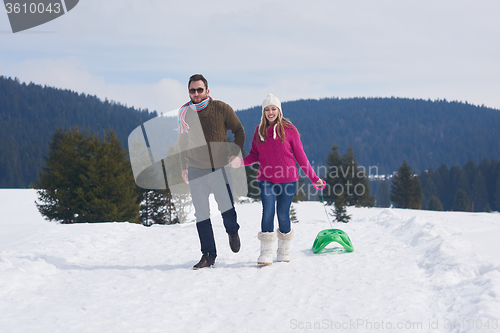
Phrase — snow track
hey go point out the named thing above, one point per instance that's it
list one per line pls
(411, 271)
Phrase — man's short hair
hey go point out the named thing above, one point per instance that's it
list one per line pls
(198, 77)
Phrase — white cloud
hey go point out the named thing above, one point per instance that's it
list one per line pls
(73, 74)
(70, 73)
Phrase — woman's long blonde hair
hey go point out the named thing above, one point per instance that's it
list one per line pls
(281, 123)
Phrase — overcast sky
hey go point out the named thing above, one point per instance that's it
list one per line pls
(141, 53)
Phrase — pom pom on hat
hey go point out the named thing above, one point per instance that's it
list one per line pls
(271, 100)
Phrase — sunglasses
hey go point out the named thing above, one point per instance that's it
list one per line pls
(199, 90)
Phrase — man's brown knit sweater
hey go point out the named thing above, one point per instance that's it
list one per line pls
(205, 145)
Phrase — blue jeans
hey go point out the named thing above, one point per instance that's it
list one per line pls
(276, 197)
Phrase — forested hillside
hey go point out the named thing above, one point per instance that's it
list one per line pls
(386, 131)
(480, 185)
(30, 115)
(382, 131)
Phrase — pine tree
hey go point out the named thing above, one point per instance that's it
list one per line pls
(356, 180)
(493, 183)
(496, 193)
(383, 196)
(434, 204)
(347, 184)
(156, 202)
(335, 186)
(87, 180)
(429, 189)
(293, 214)
(479, 192)
(157, 208)
(181, 204)
(406, 191)
(442, 180)
(340, 210)
(461, 202)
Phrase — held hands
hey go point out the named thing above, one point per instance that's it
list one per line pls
(235, 161)
(185, 176)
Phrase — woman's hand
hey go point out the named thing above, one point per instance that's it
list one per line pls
(320, 184)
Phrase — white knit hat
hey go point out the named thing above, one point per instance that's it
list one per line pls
(271, 100)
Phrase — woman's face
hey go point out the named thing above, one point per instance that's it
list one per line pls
(271, 112)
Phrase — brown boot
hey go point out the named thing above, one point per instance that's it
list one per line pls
(205, 262)
(234, 243)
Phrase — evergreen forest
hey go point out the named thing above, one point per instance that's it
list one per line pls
(383, 132)
(471, 188)
(468, 188)
(30, 114)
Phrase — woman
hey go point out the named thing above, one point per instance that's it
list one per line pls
(277, 147)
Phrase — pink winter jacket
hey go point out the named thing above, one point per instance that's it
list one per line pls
(277, 159)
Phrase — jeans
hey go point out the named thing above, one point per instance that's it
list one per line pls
(202, 182)
(276, 197)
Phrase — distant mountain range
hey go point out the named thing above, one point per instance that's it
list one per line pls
(382, 131)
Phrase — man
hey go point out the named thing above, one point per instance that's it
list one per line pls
(204, 153)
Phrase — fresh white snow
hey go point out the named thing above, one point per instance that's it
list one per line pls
(411, 271)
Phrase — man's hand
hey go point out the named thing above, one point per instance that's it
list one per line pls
(185, 176)
(235, 161)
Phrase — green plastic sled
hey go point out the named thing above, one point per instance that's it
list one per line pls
(327, 236)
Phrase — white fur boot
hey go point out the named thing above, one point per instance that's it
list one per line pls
(267, 240)
(284, 246)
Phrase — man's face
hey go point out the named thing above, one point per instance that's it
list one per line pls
(198, 92)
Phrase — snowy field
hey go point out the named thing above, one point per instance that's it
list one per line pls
(411, 271)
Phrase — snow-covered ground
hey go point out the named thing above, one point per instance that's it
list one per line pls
(411, 271)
